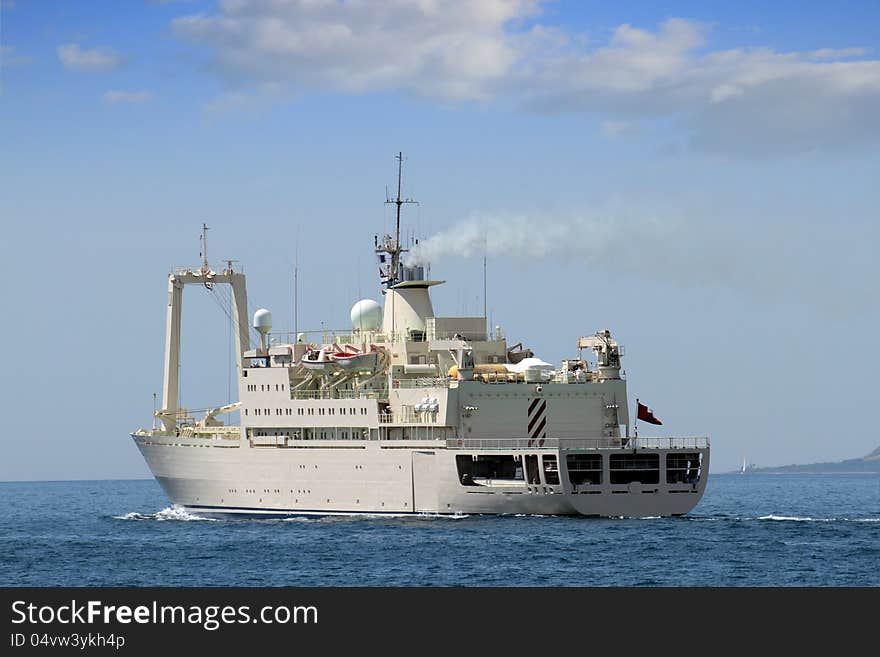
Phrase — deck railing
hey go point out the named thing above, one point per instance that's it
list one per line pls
(523, 443)
(377, 393)
(422, 382)
(203, 433)
(579, 443)
(675, 442)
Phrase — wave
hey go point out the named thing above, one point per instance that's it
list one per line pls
(181, 514)
(169, 513)
(442, 516)
(809, 519)
(776, 518)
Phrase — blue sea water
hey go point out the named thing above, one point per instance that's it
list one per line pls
(752, 530)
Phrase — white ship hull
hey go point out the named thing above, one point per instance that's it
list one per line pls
(440, 416)
(327, 477)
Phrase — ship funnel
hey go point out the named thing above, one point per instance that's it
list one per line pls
(263, 323)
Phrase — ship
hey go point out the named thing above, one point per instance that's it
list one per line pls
(409, 413)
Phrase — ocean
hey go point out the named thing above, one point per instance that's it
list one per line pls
(748, 530)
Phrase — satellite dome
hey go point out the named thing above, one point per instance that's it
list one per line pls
(263, 320)
(366, 315)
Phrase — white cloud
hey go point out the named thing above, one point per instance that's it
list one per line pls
(741, 99)
(755, 100)
(451, 49)
(115, 96)
(838, 53)
(75, 58)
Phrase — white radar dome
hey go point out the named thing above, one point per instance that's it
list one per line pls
(366, 315)
(263, 321)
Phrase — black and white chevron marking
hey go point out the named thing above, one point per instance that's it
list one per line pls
(537, 427)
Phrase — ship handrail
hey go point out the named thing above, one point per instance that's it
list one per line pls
(532, 443)
(190, 431)
(670, 442)
(675, 442)
(378, 393)
(422, 382)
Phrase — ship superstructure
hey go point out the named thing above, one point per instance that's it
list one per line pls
(412, 412)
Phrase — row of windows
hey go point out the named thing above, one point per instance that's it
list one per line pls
(421, 359)
(311, 411)
(583, 469)
(265, 490)
(314, 433)
(332, 411)
(265, 387)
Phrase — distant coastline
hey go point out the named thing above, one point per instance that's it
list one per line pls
(868, 464)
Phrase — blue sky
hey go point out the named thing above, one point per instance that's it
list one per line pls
(698, 177)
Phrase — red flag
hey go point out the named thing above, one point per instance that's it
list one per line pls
(647, 415)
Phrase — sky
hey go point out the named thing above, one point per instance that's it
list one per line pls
(699, 177)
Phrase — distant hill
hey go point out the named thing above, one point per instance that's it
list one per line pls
(869, 463)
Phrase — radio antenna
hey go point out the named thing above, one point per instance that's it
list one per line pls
(396, 249)
(204, 240)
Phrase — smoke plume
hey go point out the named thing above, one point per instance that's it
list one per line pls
(766, 259)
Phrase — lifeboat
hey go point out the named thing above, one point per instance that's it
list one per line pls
(352, 359)
(317, 360)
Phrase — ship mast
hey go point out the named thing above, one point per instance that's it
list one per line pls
(203, 238)
(394, 249)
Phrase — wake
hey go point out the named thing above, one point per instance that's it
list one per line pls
(169, 513)
(776, 518)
